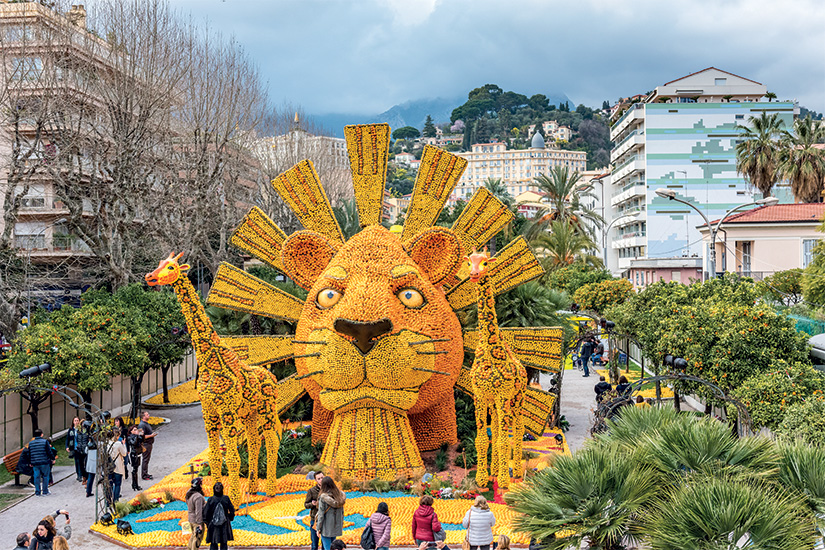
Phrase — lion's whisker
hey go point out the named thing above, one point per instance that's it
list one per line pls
(436, 352)
(431, 370)
(429, 341)
(307, 375)
(309, 342)
(316, 354)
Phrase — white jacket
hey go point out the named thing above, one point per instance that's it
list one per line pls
(479, 524)
(117, 451)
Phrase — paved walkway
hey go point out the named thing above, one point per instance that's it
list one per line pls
(176, 442)
(577, 402)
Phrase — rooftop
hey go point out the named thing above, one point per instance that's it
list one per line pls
(780, 213)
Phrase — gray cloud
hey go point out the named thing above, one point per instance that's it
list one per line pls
(363, 56)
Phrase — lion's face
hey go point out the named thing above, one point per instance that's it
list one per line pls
(376, 330)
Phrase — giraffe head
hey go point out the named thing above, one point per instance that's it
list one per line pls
(168, 271)
(479, 264)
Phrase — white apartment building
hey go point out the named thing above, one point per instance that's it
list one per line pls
(681, 137)
(515, 167)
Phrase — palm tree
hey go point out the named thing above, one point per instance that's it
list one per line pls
(717, 513)
(563, 197)
(499, 190)
(565, 245)
(757, 155)
(770, 95)
(634, 424)
(800, 162)
(802, 469)
(594, 495)
(346, 214)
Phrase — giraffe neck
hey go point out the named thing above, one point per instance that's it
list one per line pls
(487, 319)
(203, 335)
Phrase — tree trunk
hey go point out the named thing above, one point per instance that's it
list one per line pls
(34, 400)
(87, 399)
(676, 404)
(708, 408)
(137, 381)
(164, 370)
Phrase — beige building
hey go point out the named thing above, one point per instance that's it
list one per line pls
(759, 242)
(515, 167)
(553, 131)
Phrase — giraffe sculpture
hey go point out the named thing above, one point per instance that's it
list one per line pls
(499, 381)
(237, 399)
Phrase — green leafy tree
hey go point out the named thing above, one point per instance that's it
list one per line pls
(499, 190)
(571, 277)
(801, 162)
(783, 287)
(406, 132)
(562, 201)
(757, 154)
(768, 395)
(599, 297)
(429, 127)
(85, 347)
(804, 421)
(564, 245)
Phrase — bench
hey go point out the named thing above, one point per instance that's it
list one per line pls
(10, 462)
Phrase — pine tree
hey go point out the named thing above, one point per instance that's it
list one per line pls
(429, 127)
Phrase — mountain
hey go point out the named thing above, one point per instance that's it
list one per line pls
(409, 113)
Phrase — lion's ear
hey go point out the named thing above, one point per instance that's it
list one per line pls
(305, 255)
(437, 251)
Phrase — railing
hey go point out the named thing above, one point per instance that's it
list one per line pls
(628, 161)
(629, 235)
(630, 110)
(627, 137)
(628, 186)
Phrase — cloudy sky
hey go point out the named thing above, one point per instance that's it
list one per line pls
(363, 56)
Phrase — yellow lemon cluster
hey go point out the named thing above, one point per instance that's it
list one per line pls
(183, 394)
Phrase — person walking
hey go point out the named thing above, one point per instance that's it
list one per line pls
(585, 351)
(91, 465)
(148, 442)
(218, 515)
(195, 503)
(479, 521)
(82, 447)
(311, 503)
(117, 452)
(71, 449)
(329, 521)
(43, 537)
(426, 526)
(602, 387)
(381, 524)
(41, 456)
(135, 446)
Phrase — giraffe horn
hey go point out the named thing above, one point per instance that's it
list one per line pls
(171, 255)
(178, 257)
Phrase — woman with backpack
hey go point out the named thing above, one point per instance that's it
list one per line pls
(218, 516)
(479, 522)
(426, 529)
(195, 503)
(73, 438)
(381, 525)
(329, 521)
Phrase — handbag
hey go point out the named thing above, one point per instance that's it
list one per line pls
(367, 538)
(465, 544)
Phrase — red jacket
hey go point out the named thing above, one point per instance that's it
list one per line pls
(425, 523)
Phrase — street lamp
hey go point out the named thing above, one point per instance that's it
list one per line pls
(670, 194)
(631, 216)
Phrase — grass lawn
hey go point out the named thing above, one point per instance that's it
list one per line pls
(7, 498)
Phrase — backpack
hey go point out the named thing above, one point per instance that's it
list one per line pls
(367, 538)
(219, 516)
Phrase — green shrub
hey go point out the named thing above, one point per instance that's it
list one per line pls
(441, 458)
(600, 296)
(804, 421)
(769, 395)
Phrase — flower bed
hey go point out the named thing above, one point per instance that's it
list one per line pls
(153, 421)
(282, 520)
(182, 394)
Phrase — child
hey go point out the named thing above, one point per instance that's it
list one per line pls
(381, 526)
(503, 542)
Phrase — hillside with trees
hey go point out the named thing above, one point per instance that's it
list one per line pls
(491, 114)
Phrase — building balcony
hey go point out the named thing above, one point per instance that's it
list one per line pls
(634, 139)
(633, 165)
(634, 114)
(628, 191)
(623, 216)
(637, 238)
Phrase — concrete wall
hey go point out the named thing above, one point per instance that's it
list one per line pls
(775, 247)
(55, 414)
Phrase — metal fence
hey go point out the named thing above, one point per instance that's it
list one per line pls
(809, 326)
(56, 414)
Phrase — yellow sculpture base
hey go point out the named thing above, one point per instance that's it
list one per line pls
(370, 443)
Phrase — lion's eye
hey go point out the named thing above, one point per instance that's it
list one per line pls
(410, 297)
(328, 298)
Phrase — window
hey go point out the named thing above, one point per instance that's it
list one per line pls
(740, 117)
(676, 276)
(29, 236)
(720, 81)
(27, 68)
(808, 251)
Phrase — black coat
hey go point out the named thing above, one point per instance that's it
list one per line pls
(223, 533)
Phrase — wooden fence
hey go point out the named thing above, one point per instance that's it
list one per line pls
(56, 414)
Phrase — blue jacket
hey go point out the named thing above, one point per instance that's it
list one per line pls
(40, 451)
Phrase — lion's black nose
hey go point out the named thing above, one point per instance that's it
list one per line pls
(364, 333)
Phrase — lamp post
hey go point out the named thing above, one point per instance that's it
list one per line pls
(632, 216)
(670, 194)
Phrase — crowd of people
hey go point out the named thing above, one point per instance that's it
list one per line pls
(325, 502)
(133, 442)
(47, 535)
(591, 351)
